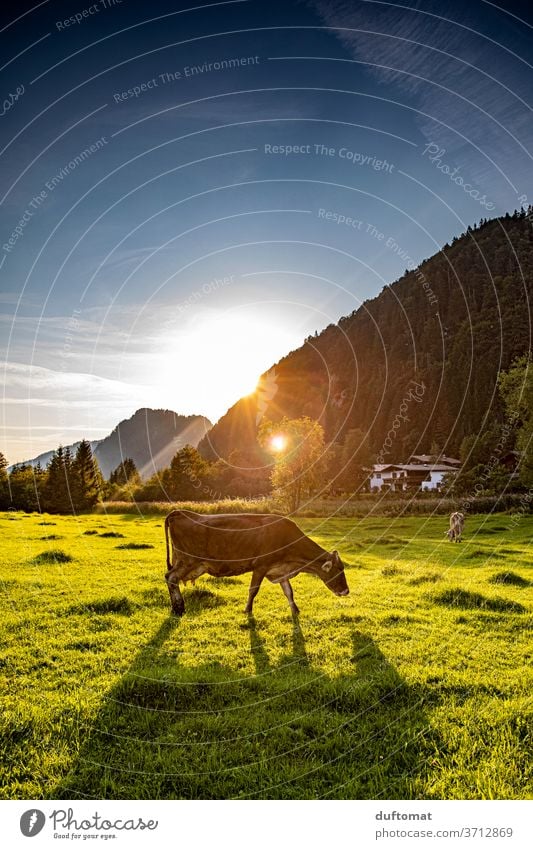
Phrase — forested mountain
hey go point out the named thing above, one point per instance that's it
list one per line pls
(442, 333)
(149, 437)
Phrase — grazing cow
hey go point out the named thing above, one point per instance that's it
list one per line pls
(268, 546)
(457, 523)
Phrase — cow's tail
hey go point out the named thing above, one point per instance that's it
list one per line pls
(169, 565)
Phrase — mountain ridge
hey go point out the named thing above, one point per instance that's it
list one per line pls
(450, 325)
(150, 437)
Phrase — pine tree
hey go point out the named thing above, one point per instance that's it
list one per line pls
(125, 472)
(186, 479)
(57, 488)
(4, 483)
(85, 478)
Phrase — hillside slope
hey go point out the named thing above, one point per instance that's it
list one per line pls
(447, 327)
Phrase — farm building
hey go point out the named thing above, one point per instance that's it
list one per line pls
(400, 477)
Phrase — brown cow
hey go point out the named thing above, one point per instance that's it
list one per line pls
(268, 546)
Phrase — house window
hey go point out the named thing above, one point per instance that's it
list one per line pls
(378, 475)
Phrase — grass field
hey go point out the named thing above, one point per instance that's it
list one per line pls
(418, 685)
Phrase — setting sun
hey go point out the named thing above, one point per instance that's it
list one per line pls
(218, 358)
(278, 443)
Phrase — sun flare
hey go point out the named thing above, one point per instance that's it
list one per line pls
(217, 359)
(278, 443)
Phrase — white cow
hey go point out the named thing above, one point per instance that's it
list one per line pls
(457, 523)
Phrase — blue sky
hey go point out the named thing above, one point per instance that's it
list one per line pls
(187, 193)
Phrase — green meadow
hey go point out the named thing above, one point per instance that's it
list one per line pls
(416, 686)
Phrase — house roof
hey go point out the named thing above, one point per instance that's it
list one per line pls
(413, 467)
(439, 467)
(428, 458)
(433, 467)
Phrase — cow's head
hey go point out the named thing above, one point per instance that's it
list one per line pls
(330, 568)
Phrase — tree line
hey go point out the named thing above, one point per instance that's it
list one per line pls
(297, 464)
(68, 484)
(74, 483)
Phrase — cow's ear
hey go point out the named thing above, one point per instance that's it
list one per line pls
(327, 566)
(336, 558)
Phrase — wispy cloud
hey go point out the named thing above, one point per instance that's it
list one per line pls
(39, 402)
(79, 386)
(471, 93)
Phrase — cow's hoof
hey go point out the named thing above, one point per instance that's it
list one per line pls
(295, 610)
(178, 609)
(248, 610)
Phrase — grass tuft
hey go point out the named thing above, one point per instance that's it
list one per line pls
(112, 535)
(479, 553)
(53, 556)
(427, 578)
(135, 546)
(467, 600)
(89, 533)
(510, 578)
(114, 604)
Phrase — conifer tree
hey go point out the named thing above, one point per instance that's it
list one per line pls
(56, 491)
(85, 477)
(125, 472)
(4, 483)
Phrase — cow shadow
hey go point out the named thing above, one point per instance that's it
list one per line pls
(296, 657)
(289, 731)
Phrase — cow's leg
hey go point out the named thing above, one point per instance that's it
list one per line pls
(287, 589)
(176, 598)
(257, 580)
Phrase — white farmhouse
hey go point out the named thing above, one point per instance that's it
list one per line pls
(392, 476)
(400, 477)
